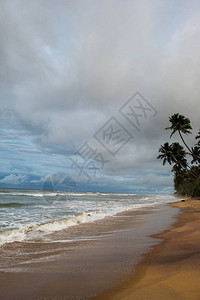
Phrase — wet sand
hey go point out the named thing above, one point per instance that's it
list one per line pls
(103, 259)
(171, 270)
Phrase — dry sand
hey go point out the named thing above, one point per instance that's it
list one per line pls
(172, 269)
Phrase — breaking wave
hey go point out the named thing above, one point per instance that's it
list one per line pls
(19, 234)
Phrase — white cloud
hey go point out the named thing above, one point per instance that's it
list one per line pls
(14, 179)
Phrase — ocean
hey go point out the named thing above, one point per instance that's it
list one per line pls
(28, 215)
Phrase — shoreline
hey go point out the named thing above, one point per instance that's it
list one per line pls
(83, 269)
(171, 269)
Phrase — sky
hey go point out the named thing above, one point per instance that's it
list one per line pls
(86, 89)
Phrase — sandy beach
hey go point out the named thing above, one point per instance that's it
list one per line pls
(149, 253)
(172, 269)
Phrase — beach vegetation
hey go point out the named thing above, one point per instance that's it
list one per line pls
(185, 160)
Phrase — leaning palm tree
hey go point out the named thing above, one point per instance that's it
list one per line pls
(173, 153)
(180, 180)
(166, 153)
(182, 125)
(195, 154)
(198, 138)
(176, 154)
(180, 158)
(179, 155)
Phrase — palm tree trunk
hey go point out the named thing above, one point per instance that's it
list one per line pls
(187, 146)
(190, 170)
(193, 173)
(184, 141)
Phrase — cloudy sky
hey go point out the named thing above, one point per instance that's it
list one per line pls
(67, 70)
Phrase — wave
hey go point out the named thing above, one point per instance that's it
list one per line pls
(62, 193)
(26, 232)
(30, 231)
(19, 234)
(44, 194)
(23, 194)
(63, 223)
(14, 204)
(12, 235)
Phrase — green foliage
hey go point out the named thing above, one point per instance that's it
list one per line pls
(173, 153)
(195, 154)
(196, 190)
(179, 123)
(186, 176)
(198, 138)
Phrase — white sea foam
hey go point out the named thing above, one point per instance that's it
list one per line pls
(22, 233)
(12, 235)
(57, 193)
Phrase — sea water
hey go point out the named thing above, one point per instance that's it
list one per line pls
(29, 214)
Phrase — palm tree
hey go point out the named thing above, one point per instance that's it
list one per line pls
(173, 153)
(179, 155)
(182, 125)
(181, 183)
(176, 154)
(198, 137)
(166, 153)
(195, 154)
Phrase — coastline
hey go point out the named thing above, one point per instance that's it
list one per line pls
(86, 268)
(171, 270)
